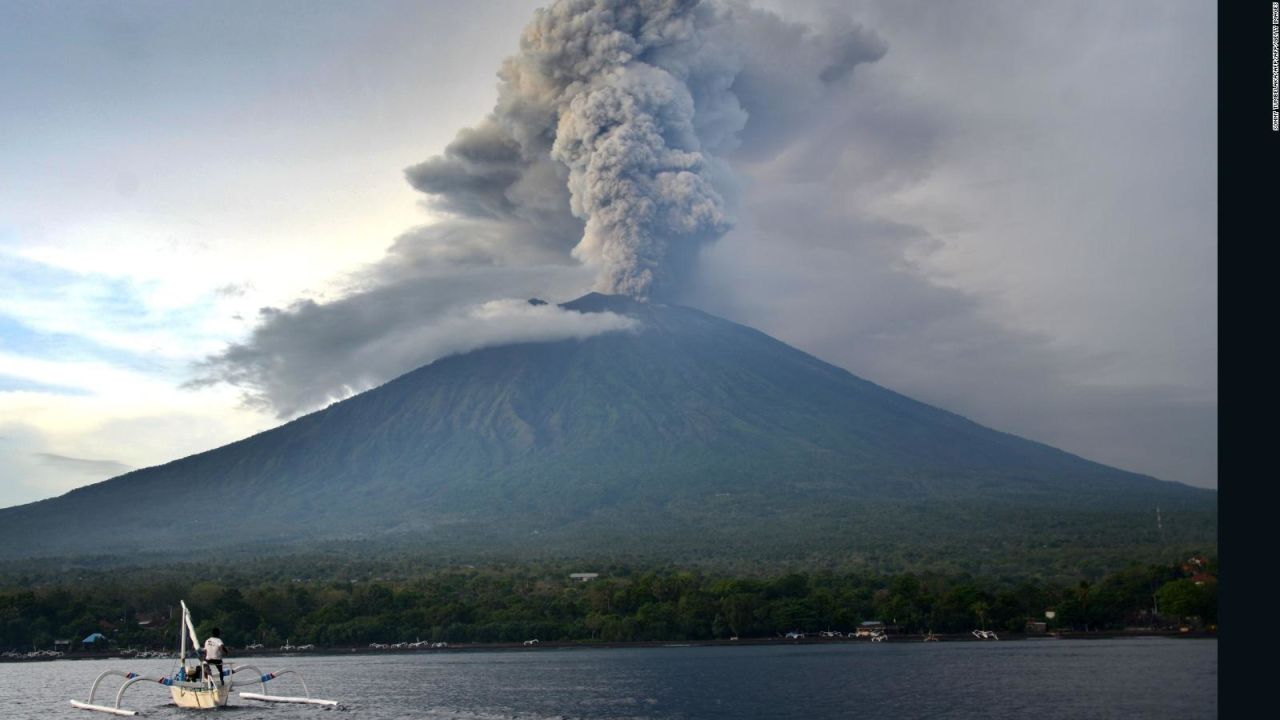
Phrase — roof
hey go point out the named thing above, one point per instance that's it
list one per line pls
(94, 638)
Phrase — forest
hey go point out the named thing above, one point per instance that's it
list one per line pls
(495, 604)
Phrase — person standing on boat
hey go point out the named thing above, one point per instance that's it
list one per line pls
(214, 651)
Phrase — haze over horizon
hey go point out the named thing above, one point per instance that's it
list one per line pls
(1005, 211)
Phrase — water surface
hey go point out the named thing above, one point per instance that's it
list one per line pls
(1045, 680)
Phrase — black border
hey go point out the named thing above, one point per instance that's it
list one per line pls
(1248, 180)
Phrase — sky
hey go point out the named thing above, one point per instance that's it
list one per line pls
(215, 217)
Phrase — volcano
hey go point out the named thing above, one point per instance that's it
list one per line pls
(687, 438)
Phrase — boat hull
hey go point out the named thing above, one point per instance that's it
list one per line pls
(200, 697)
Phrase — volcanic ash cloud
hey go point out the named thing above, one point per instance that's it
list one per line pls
(609, 158)
(628, 106)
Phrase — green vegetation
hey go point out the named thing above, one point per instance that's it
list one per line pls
(512, 604)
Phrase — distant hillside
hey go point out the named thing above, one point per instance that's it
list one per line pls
(693, 437)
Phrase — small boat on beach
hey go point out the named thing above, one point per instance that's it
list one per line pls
(196, 683)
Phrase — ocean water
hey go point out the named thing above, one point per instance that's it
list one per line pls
(1042, 679)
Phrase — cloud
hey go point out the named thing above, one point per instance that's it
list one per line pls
(277, 370)
(1013, 242)
(80, 466)
(52, 442)
(51, 311)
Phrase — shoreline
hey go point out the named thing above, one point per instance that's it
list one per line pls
(346, 650)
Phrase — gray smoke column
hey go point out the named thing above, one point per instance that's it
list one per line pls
(609, 157)
(618, 120)
(601, 98)
(637, 177)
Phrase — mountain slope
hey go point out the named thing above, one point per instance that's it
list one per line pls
(692, 436)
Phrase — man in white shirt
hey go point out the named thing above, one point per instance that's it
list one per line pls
(214, 651)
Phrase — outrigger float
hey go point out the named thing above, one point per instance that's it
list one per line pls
(193, 684)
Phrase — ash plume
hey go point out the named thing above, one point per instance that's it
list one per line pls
(622, 111)
(611, 157)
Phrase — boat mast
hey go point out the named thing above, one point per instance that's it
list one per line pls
(190, 629)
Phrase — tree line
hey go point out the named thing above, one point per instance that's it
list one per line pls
(513, 604)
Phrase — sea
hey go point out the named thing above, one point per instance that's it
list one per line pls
(1040, 679)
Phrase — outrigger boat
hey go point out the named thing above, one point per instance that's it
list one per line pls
(194, 685)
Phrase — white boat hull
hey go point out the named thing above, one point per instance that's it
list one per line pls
(199, 697)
